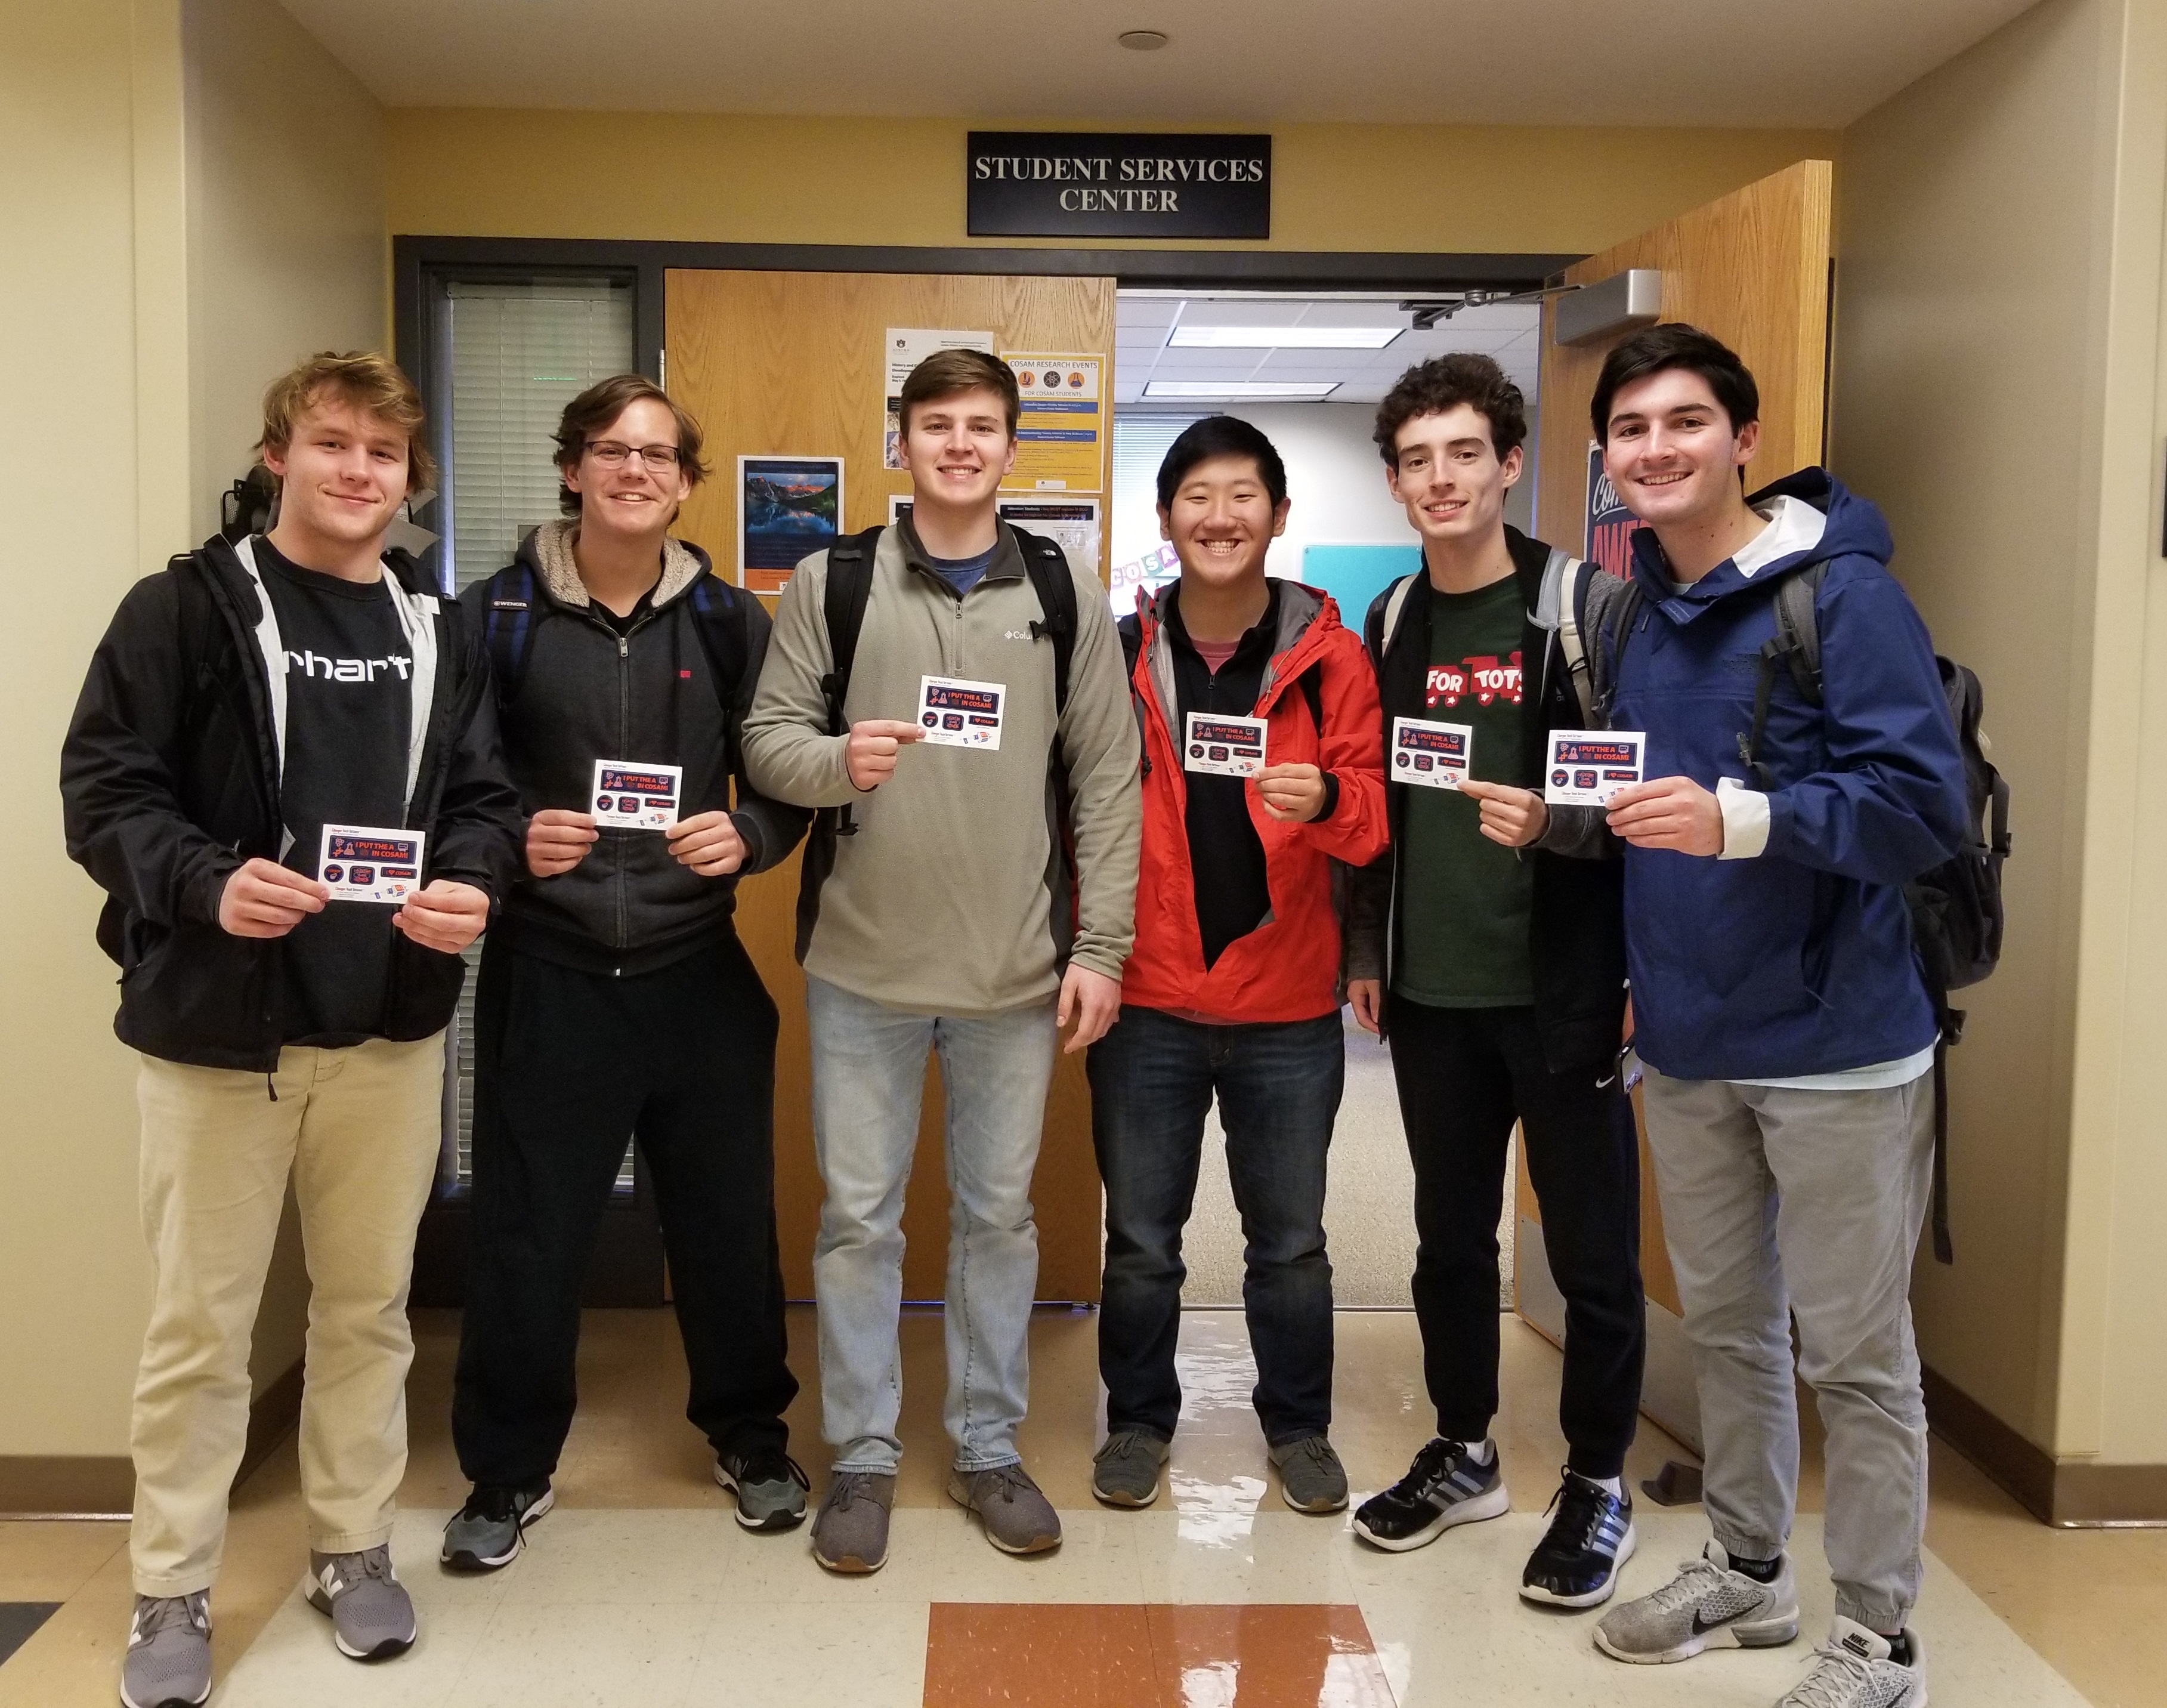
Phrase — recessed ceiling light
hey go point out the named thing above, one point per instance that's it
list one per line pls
(1284, 337)
(1250, 390)
(1143, 41)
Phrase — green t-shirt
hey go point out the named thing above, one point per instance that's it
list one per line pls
(1464, 899)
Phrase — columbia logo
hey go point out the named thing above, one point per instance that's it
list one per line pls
(1017, 635)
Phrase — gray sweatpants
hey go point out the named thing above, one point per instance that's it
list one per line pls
(1779, 1204)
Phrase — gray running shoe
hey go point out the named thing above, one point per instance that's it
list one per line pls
(1311, 1478)
(1018, 1518)
(1707, 1605)
(769, 1485)
(371, 1615)
(490, 1529)
(1857, 1669)
(168, 1663)
(1125, 1472)
(849, 1532)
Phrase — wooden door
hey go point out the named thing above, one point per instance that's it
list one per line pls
(1754, 270)
(791, 364)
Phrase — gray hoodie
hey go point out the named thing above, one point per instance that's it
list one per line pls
(943, 901)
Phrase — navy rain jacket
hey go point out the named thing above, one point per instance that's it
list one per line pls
(1799, 960)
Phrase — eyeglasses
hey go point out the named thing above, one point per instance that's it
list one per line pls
(611, 454)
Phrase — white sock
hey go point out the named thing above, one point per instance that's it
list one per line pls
(1482, 1452)
(1616, 1487)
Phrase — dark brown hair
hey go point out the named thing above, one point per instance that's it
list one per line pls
(1674, 344)
(951, 372)
(1446, 382)
(603, 402)
(375, 384)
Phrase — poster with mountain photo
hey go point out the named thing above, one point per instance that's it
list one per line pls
(789, 508)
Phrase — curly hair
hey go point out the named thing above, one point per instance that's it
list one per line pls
(1444, 383)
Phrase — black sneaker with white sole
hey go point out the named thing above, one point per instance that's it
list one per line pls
(1575, 1564)
(769, 1485)
(1445, 1486)
(489, 1530)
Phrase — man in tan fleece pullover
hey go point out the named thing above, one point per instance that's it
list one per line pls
(947, 923)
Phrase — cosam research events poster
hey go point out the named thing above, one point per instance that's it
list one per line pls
(1061, 433)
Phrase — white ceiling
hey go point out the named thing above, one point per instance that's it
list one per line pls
(1142, 324)
(1755, 63)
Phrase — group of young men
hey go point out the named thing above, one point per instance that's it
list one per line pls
(1175, 837)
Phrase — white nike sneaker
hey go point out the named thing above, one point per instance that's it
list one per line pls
(1707, 1605)
(1857, 1669)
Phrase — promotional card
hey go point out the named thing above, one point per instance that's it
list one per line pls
(1224, 746)
(635, 797)
(1435, 756)
(958, 713)
(360, 863)
(1587, 766)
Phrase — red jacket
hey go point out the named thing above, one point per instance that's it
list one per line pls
(1288, 968)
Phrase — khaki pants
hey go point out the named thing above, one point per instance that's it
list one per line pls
(357, 1130)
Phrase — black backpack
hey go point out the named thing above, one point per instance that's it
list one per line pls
(850, 586)
(1957, 913)
(511, 607)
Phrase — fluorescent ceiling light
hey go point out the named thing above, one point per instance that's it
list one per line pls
(1280, 390)
(1284, 337)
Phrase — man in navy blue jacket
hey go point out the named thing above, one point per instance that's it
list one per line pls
(1785, 1032)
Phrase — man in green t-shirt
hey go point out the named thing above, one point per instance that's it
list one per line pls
(1488, 945)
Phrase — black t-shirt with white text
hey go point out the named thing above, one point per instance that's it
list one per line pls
(349, 701)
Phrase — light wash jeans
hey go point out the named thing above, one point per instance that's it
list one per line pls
(868, 1073)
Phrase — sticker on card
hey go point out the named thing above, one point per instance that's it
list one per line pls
(362, 863)
(1435, 756)
(958, 713)
(1224, 746)
(1587, 766)
(630, 797)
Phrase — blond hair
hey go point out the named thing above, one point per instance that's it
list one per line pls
(373, 384)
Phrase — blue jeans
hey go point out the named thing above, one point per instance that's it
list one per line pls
(868, 1073)
(1153, 1080)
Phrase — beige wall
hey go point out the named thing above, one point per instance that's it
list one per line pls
(149, 284)
(1997, 380)
(719, 178)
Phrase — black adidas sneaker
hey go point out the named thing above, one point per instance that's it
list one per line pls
(1443, 1486)
(1575, 1564)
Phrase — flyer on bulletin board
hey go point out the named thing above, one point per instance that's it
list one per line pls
(902, 349)
(1061, 437)
(789, 508)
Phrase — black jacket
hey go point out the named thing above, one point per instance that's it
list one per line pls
(572, 691)
(169, 784)
(1575, 927)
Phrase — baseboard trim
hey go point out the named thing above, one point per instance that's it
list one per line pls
(85, 1486)
(2067, 1494)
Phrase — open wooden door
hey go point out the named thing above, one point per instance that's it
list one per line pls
(791, 364)
(1754, 270)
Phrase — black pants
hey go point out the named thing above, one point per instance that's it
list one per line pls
(1465, 1075)
(567, 1067)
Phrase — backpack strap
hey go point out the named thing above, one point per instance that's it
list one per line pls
(850, 586)
(1050, 578)
(719, 619)
(1558, 608)
(1395, 606)
(507, 627)
(1625, 611)
(1795, 646)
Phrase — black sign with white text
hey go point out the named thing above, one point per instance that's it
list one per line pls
(1075, 183)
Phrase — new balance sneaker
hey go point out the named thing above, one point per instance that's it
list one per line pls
(849, 1532)
(1707, 1605)
(1311, 1478)
(168, 1663)
(1445, 1486)
(490, 1529)
(1858, 1668)
(1017, 1518)
(769, 1485)
(1125, 1472)
(371, 1615)
(1575, 1564)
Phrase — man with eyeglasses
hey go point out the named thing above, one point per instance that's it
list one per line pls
(615, 1002)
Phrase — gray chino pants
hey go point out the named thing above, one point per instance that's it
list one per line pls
(1776, 1204)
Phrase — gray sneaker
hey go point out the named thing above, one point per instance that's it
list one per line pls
(1311, 1478)
(849, 1532)
(371, 1615)
(1707, 1605)
(1857, 1669)
(1017, 1518)
(168, 1663)
(769, 1485)
(489, 1530)
(1125, 1472)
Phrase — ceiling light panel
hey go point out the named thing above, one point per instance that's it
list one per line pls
(1247, 390)
(1195, 338)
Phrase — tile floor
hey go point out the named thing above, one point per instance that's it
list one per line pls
(639, 1590)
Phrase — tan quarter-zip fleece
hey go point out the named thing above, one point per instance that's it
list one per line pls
(942, 901)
